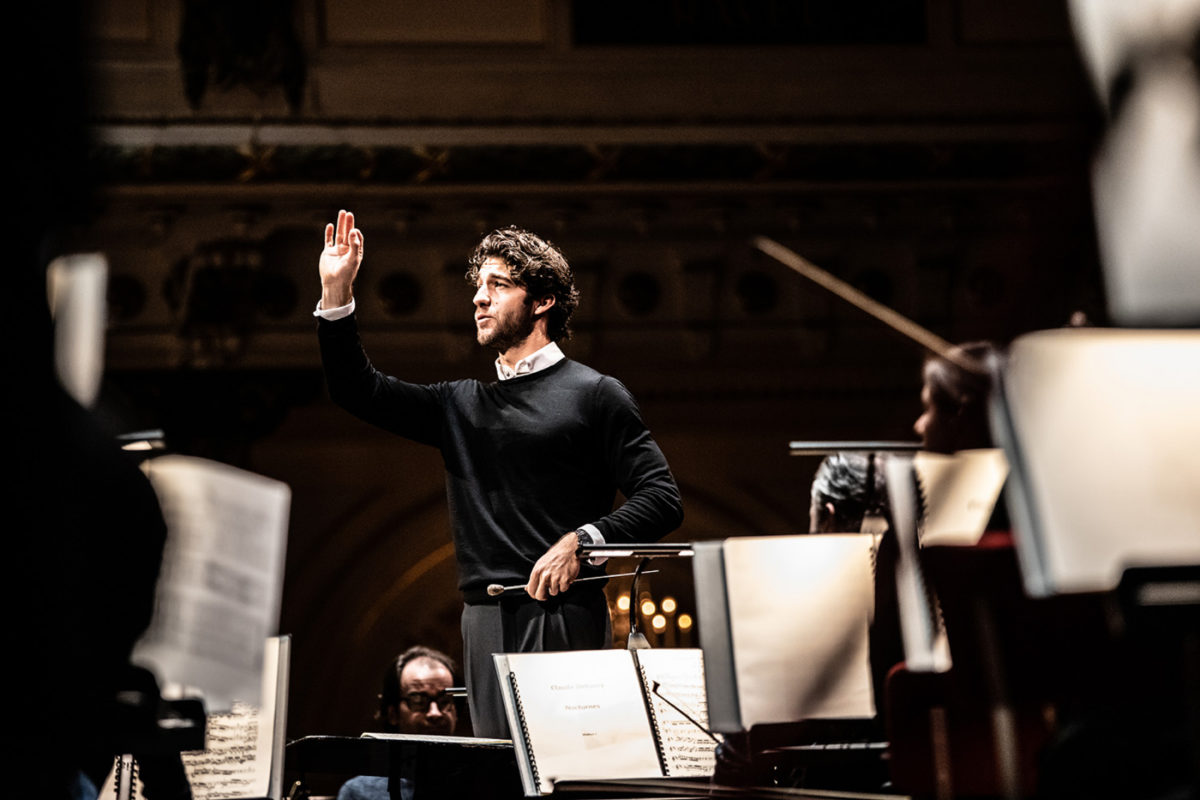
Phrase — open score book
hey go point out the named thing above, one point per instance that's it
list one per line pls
(595, 714)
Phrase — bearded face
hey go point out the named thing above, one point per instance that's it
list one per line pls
(503, 327)
(503, 310)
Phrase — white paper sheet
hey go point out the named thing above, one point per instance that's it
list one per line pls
(1107, 433)
(687, 748)
(799, 609)
(584, 715)
(959, 493)
(221, 581)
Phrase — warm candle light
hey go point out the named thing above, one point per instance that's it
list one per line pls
(647, 607)
(684, 622)
(668, 605)
(659, 623)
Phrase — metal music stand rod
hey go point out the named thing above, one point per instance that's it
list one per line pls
(653, 550)
(636, 639)
(829, 448)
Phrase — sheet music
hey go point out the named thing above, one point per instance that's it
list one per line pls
(583, 713)
(230, 765)
(687, 750)
(243, 747)
(222, 573)
(239, 745)
(799, 610)
(959, 492)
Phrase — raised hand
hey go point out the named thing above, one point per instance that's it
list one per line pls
(340, 260)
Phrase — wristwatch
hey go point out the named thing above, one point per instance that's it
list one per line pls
(584, 538)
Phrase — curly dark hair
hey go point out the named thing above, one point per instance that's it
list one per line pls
(390, 696)
(535, 264)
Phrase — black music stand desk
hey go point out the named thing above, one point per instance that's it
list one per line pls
(437, 766)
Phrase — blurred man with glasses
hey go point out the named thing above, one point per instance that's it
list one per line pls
(414, 699)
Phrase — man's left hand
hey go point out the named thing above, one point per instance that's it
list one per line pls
(555, 571)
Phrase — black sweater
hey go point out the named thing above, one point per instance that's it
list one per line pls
(527, 459)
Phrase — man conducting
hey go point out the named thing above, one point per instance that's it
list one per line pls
(533, 460)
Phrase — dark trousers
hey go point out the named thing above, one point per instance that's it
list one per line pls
(523, 625)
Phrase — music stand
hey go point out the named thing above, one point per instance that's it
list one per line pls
(1102, 436)
(636, 639)
(1103, 439)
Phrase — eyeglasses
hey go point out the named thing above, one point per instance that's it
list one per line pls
(420, 702)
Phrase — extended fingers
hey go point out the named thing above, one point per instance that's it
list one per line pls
(345, 224)
(329, 235)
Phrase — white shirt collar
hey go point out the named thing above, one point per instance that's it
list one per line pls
(534, 362)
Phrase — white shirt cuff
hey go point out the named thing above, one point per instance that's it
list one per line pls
(331, 314)
(597, 538)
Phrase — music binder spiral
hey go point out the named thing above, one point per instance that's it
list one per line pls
(525, 764)
(650, 712)
(931, 609)
(126, 784)
(926, 648)
(936, 499)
